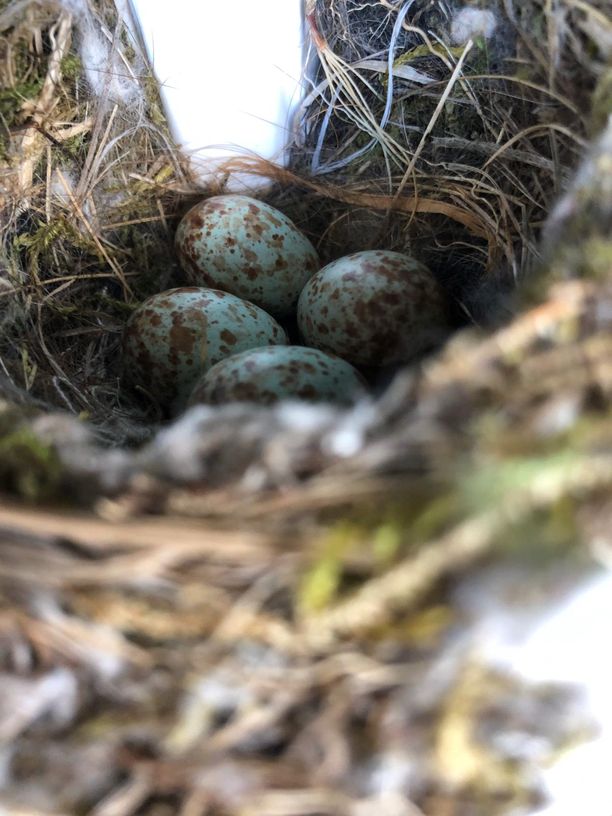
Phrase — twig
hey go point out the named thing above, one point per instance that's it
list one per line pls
(406, 584)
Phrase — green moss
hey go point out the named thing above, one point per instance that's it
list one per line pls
(602, 101)
(75, 146)
(11, 104)
(582, 255)
(29, 368)
(28, 467)
(154, 107)
(374, 538)
(37, 246)
(596, 258)
(492, 483)
(20, 84)
(321, 582)
(71, 67)
(386, 541)
(12, 99)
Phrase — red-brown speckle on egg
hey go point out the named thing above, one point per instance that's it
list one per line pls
(373, 308)
(246, 247)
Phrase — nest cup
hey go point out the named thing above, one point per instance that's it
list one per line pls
(418, 133)
(246, 610)
(443, 133)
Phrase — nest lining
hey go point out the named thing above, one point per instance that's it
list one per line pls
(94, 188)
(255, 614)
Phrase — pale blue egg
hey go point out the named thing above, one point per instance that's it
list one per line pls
(243, 246)
(373, 308)
(267, 375)
(175, 336)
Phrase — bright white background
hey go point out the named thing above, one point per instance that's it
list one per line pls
(229, 71)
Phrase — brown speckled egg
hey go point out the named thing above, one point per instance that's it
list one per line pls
(243, 246)
(174, 336)
(373, 308)
(267, 375)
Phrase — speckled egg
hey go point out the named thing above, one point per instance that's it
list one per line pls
(174, 336)
(267, 375)
(243, 246)
(372, 308)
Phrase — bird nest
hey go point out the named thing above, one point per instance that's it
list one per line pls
(239, 612)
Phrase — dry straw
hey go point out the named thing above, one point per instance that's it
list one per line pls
(246, 611)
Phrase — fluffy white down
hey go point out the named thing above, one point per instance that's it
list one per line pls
(471, 22)
(108, 76)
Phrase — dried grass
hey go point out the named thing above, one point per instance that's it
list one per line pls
(254, 612)
(454, 130)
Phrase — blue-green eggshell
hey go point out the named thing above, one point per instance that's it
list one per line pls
(175, 336)
(373, 308)
(243, 246)
(267, 375)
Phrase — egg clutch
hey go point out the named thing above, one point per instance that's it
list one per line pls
(221, 338)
